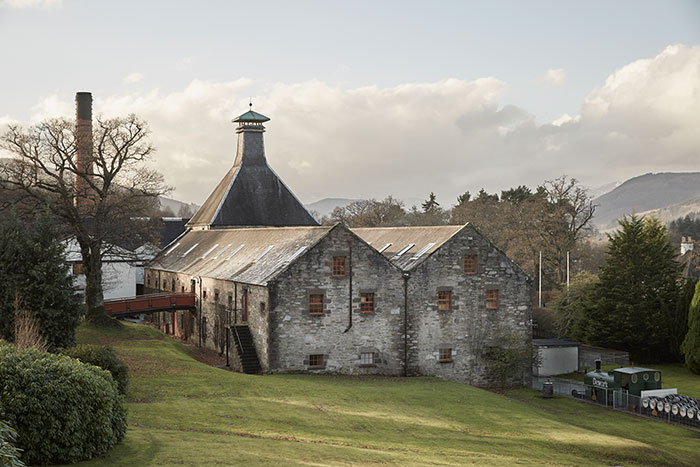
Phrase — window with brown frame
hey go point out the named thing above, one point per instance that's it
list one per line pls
(367, 302)
(204, 295)
(445, 355)
(492, 299)
(316, 304)
(78, 269)
(316, 360)
(469, 264)
(338, 267)
(262, 308)
(367, 358)
(444, 300)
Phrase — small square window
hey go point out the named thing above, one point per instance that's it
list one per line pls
(316, 304)
(444, 300)
(216, 295)
(78, 269)
(338, 268)
(445, 355)
(367, 358)
(367, 302)
(316, 361)
(469, 264)
(204, 295)
(492, 299)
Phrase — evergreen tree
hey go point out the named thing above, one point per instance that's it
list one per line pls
(691, 344)
(34, 277)
(637, 292)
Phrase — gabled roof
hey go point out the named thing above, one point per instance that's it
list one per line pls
(249, 255)
(407, 247)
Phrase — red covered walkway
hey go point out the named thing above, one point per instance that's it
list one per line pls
(129, 306)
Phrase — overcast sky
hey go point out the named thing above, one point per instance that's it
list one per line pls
(370, 98)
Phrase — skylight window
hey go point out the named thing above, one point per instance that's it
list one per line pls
(381, 250)
(405, 249)
(235, 251)
(267, 250)
(191, 248)
(171, 250)
(222, 250)
(209, 251)
(423, 251)
(296, 254)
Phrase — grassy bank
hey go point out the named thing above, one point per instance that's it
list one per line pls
(184, 412)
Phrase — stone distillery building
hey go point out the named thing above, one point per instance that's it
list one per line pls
(279, 292)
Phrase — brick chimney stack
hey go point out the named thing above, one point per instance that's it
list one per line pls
(84, 195)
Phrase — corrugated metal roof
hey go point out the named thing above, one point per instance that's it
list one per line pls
(247, 258)
(396, 239)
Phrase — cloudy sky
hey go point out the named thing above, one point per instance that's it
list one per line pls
(370, 98)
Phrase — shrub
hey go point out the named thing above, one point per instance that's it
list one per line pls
(9, 454)
(64, 410)
(104, 357)
(691, 344)
(27, 335)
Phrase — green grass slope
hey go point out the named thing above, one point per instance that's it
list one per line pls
(184, 412)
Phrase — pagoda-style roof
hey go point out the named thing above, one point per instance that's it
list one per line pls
(251, 194)
(251, 116)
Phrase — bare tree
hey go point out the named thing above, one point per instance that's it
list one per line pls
(102, 200)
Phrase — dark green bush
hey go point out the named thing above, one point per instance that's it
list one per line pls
(9, 454)
(104, 357)
(63, 410)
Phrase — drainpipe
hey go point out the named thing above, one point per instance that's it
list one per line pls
(405, 276)
(350, 286)
(199, 312)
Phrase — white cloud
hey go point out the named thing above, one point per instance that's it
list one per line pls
(447, 137)
(36, 4)
(133, 77)
(556, 77)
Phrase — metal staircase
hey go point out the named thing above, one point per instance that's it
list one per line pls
(246, 349)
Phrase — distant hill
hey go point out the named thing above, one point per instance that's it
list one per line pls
(665, 194)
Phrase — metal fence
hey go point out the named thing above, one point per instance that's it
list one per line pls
(656, 408)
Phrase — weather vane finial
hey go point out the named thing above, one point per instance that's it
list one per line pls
(251, 103)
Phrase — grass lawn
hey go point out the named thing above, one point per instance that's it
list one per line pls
(185, 412)
(673, 375)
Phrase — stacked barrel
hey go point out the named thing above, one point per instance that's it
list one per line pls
(673, 407)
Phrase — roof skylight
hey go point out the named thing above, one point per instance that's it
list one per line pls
(405, 249)
(381, 250)
(222, 250)
(423, 250)
(235, 251)
(267, 250)
(209, 251)
(171, 250)
(191, 248)
(295, 254)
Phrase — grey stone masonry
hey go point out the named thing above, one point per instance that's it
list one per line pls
(373, 344)
(464, 330)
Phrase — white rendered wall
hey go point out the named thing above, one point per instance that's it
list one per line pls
(118, 280)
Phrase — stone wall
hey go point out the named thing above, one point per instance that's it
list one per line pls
(221, 303)
(468, 327)
(295, 334)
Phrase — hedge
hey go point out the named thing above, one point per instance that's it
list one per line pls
(63, 410)
(104, 357)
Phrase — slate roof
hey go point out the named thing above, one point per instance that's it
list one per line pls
(251, 194)
(425, 241)
(248, 255)
(690, 262)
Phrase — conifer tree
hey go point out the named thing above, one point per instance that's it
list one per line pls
(637, 292)
(691, 344)
(34, 278)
